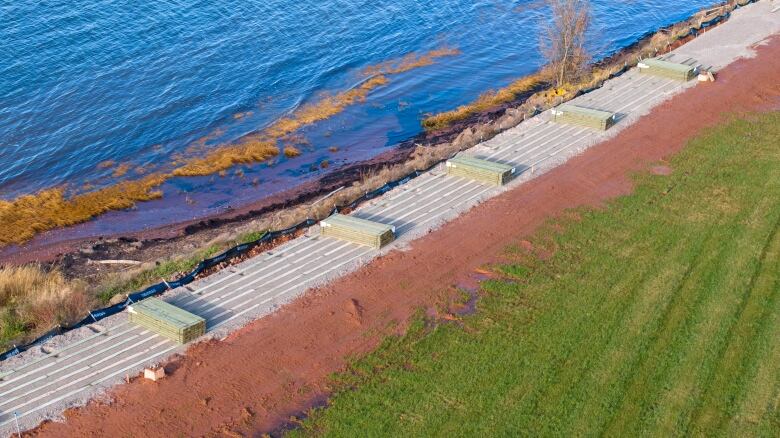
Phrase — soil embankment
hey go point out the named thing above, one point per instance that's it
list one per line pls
(280, 365)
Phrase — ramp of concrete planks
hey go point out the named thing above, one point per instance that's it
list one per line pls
(71, 368)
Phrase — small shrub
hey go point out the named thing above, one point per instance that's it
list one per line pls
(33, 300)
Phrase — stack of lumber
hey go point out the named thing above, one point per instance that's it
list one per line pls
(167, 320)
(357, 230)
(480, 170)
(710, 15)
(581, 116)
(667, 69)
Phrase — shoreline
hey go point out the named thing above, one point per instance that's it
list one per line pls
(67, 252)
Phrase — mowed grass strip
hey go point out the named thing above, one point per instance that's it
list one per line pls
(657, 315)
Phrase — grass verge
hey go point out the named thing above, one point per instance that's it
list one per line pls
(657, 315)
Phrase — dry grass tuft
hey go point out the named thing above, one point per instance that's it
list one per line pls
(33, 300)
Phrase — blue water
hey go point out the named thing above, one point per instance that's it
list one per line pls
(83, 82)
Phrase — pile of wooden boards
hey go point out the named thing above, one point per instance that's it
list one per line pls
(357, 230)
(480, 170)
(667, 69)
(167, 320)
(581, 116)
(709, 15)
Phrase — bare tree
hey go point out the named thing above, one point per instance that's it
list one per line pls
(563, 39)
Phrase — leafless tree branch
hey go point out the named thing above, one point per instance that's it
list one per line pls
(563, 39)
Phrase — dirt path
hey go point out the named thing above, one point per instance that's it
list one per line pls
(279, 365)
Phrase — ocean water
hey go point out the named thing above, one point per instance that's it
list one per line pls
(138, 83)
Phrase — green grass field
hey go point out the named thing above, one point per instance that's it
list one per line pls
(658, 315)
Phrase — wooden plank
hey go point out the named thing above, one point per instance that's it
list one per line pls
(357, 230)
(480, 170)
(582, 116)
(167, 320)
(672, 70)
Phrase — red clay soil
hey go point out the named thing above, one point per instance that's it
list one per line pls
(253, 381)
